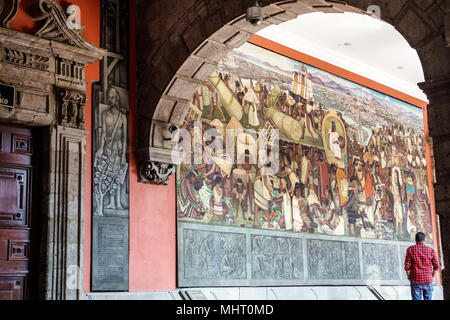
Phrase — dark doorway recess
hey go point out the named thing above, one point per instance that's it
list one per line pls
(19, 211)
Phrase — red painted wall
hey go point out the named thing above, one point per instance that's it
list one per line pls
(152, 265)
(152, 212)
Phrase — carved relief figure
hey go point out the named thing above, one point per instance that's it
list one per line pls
(214, 255)
(72, 108)
(110, 162)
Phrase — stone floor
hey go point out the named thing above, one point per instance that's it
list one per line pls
(268, 293)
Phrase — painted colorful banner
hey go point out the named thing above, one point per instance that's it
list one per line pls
(351, 161)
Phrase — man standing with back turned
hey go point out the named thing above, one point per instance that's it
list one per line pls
(421, 265)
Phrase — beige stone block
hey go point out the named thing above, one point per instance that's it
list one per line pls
(183, 88)
(43, 119)
(223, 34)
(238, 39)
(5, 113)
(72, 200)
(74, 164)
(160, 133)
(164, 109)
(190, 66)
(205, 70)
(74, 147)
(24, 117)
(297, 8)
(212, 51)
(33, 101)
(179, 113)
(282, 17)
(271, 10)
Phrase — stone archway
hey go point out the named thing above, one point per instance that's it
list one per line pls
(177, 50)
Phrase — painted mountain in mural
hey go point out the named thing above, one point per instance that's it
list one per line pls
(316, 80)
(324, 80)
(262, 63)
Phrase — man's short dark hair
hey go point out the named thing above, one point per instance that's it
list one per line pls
(420, 237)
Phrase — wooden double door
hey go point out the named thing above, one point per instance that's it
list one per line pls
(19, 218)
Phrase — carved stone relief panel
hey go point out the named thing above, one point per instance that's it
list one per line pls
(214, 255)
(27, 59)
(333, 260)
(69, 74)
(380, 261)
(110, 190)
(71, 108)
(26, 64)
(277, 258)
(230, 256)
(110, 144)
(110, 183)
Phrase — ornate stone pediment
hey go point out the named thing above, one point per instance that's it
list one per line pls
(55, 24)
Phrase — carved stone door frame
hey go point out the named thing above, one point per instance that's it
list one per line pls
(47, 70)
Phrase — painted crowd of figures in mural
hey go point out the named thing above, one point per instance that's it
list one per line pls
(351, 161)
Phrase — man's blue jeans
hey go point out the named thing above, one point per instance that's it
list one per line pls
(418, 288)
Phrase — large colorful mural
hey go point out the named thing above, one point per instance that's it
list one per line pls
(350, 161)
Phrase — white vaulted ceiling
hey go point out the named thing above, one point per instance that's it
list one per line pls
(358, 43)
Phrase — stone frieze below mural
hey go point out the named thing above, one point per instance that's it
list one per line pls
(233, 256)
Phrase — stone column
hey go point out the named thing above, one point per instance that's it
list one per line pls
(438, 93)
(66, 149)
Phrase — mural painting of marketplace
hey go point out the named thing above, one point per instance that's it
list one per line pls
(351, 161)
